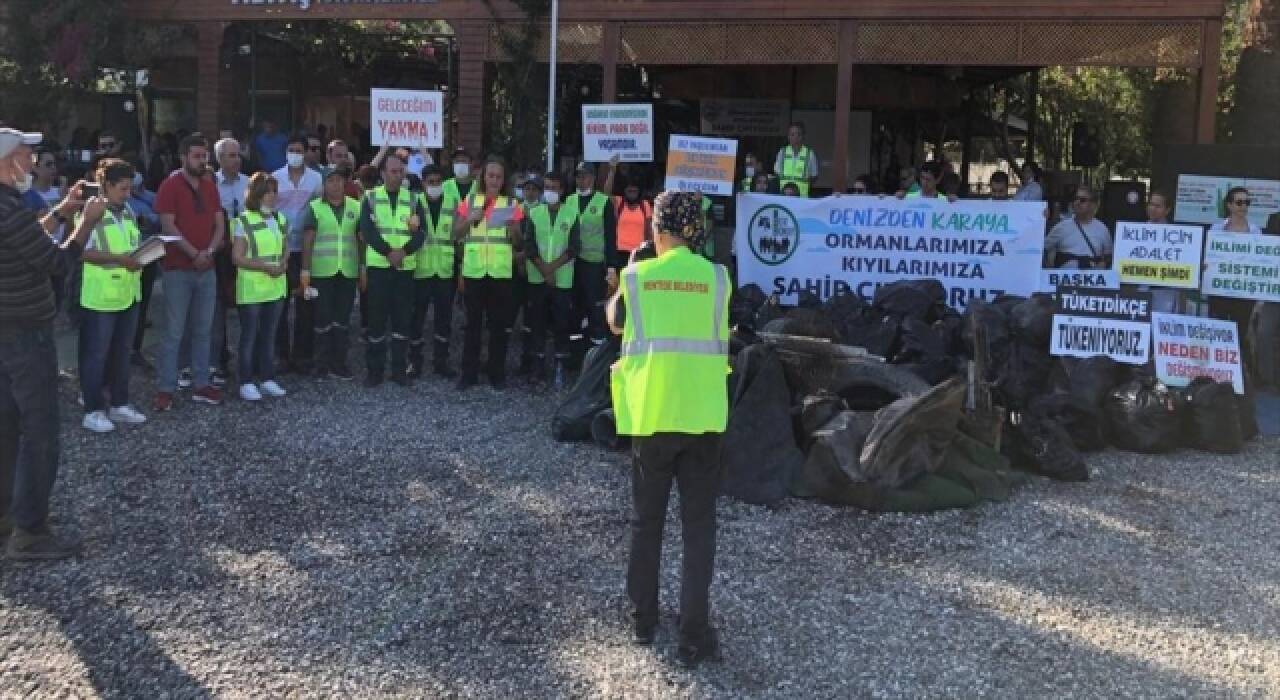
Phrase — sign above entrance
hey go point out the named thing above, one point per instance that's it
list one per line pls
(306, 4)
(408, 118)
(741, 118)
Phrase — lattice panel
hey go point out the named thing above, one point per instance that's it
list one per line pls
(577, 43)
(721, 43)
(1165, 45)
(936, 44)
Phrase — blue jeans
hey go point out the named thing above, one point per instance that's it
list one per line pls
(28, 423)
(189, 299)
(105, 341)
(257, 340)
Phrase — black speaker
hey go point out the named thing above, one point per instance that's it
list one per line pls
(1086, 147)
(1123, 200)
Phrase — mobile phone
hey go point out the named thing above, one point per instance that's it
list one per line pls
(90, 189)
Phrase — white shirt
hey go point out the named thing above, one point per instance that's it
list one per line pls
(1222, 226)
(1068, 237)
(1030, 192)
(231, 193)
(293, 199)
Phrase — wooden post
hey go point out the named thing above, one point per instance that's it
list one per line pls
(1207, 100)
(473, 39)
(844, 99)
(208, 72)
(1033, 106)
(609, 62)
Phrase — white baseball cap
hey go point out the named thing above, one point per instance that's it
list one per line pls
(10, 139)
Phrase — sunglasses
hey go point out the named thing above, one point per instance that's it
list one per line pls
(1084, 200)
(1242, 202)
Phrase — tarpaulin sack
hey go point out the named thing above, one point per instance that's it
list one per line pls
(1141, 416)
(826, 473)
(815, 411)
(916, 299)
(759, 453)
(1211, 417)
(1036, 444)
(911, 436)
(588, 396)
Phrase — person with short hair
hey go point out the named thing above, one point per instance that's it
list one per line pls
(258, 250)
(110, 296)
(551, 241)
(999, 186)
(1236, 202)
(668, 395)
(299, 185)
(463, 184)
(796, 163)
(930, 177)
(434, 280)
(791, 189)
(270, 146)
(190, 210)
(596, 264)
(1031, 190)
(1081, 241)
(861, 185)
(314, 154)
(1159, 211)
(45, 194)
(331, 263)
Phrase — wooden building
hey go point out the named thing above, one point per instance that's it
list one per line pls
(836, 42)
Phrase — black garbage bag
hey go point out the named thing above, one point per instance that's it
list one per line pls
(806, 299)
(833, 454)
(1142, 416)
(814, 412)
(769, 311)
(604, 431)
(759, 453)
(951, 328)
(1035, 443)
(845, 311)
(1022, 376)
(1032, 321)
(916, 299)
(745, 303)
(877, 333)
(994, 321)
(924, 351)
(1211, 417)
(589, 395)
(1089, 380)
(1081, 421)
(1248, 414)
(740, 338)
(812, 323)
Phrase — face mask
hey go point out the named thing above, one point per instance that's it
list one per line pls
(295, 160)
(461, 169)
(137, 180)
(584, 193)
(552, 198)
(23, 183)
(266, 210)
(751, 172)
(435, 191)
(519, 192)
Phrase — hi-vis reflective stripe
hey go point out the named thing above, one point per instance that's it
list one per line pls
(640, 345)
(486, 238)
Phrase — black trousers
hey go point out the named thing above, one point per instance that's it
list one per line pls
(333, 319)
(28, 423)
(438, 292)
(693, 462)
(1240, 311)
(390, 309)
(295, 336)
(489, 303)
(589, 290)
(149, 274)
(545, 304)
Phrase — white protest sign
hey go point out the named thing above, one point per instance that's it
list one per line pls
(701, 164)
(1200, 198)
(976, 249)
(1050, 280)
(1091, 322)
(1187, 347)
(622, 130)
(1242, 266)
(409, 118)
(1158, 255)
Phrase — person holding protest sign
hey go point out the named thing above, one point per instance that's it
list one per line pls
(1080, 242)
(1262, 367)
(1158, 212)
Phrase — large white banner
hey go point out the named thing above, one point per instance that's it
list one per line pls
(974, 248)
(410, 118)
(624, 130)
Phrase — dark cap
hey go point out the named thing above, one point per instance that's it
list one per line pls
(534, 181)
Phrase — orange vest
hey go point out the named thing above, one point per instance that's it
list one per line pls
(631, 223)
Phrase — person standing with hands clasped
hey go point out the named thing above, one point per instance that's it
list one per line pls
(258, 251)
(488, 226)
(331, 262)
(594, 268)
(110, 296)
(391, 225)
(550, 242)
(668, 394)
(434, 280)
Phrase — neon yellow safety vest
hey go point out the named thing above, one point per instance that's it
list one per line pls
(335, 247)
(111, 287)
(394, 227)
(590, 225)
(553, 239)
(453, 194)
(436, 256)
(487, 250)
(265, 245)
(670, 376)
(795, 169)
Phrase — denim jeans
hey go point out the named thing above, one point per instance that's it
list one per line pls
(105, 340)
(217, 340)
(28, 423)
(257, 341)
(189, 298)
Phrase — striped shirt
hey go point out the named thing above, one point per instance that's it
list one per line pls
(28, 260)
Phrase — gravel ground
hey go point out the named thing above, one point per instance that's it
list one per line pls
(421, 543)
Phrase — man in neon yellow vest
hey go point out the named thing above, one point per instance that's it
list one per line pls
(669, 395)
(434, 280)
(331, 265)
(796, 163)
(597, 261)
(551, 241)
(391, 220)
(463, 183)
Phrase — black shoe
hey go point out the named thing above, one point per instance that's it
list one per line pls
(140, 361)
(466, 382)
(341, 372)
(415, 370)
(305, 368)
(320, 372)
(708, 649)
(372, 380)
(498, 383)
(38, 545)
(526, 366)
(401, 378)
(643, 633)
(444, 371)
(6, 526)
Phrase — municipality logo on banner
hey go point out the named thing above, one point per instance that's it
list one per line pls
(773, 234)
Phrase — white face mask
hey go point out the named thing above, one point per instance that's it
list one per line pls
(137, 180)
(23, 183)
(435, 191)
(552, 198)
(266, 210)
(461, 169)
(751, 172)
(295, 160)
(584, 193)
(519, 192)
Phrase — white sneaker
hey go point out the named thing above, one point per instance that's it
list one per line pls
(126, 414)
(98, 422)
(249, 392)
(185, 379)
(273, 389)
